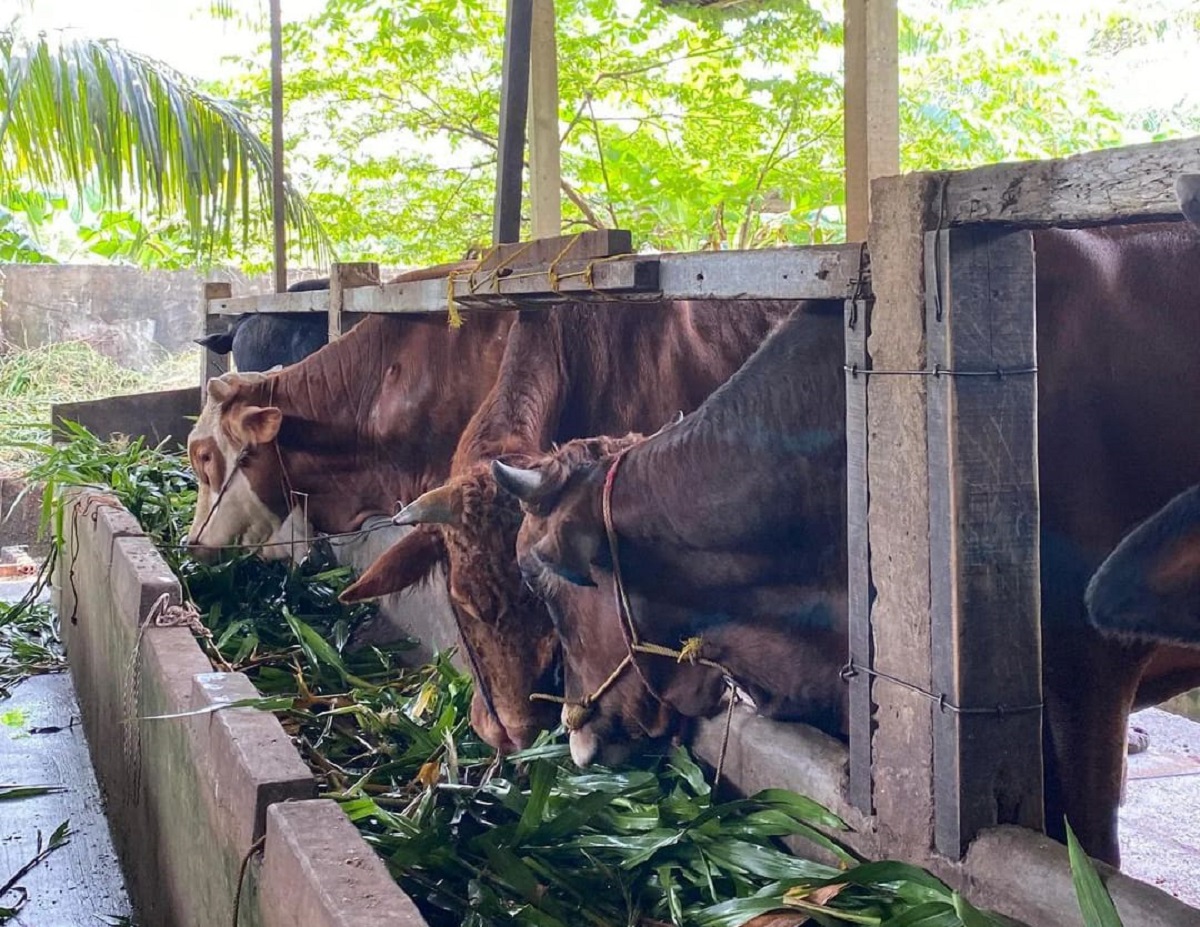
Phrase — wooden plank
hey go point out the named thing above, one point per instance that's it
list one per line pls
(1134, 182)
(859, 554)
(309, 301)
(984, 534)
(212, 365)
(898, 518)
(342, 279)
(823, 272)
(872, 95)
(545, 163)
(514, 101)
(541, 252)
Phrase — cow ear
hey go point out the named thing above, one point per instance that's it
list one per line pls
(258, 424)
(441, 506)
(220, 389)
(219, 343)
(1149, 587)
(407, 562)
(1187, 189)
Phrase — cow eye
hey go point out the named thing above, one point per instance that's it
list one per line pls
(243, 458)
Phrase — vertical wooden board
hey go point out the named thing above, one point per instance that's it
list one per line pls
(898, 514)
(983, 525)
(858, 553)
(872, 104)
(344, 277)
(545, 165)
(213, 365)
(514, 102)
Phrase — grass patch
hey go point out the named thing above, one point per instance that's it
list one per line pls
(34, 379)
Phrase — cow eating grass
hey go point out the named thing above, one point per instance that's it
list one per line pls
(568, 371)
(341, 436)
(1118, 321)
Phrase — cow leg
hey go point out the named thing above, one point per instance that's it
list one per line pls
(1090, 688)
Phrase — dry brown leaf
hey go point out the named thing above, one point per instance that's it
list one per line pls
(429, 773)
(778, 919)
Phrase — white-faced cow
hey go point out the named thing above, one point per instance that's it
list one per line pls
(341, 436)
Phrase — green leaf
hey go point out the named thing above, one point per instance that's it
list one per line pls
(1094, 900)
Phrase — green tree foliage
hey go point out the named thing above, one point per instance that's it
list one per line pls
(121, 129)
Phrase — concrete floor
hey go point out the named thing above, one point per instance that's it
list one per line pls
(1160, 820)
(80, 883)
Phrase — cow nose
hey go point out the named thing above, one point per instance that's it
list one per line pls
(202, 552)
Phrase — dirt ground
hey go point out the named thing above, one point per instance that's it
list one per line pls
(1160, 820)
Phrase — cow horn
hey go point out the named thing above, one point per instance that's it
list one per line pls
(524, 484)
(436, 507)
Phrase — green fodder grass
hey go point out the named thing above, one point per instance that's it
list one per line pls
(34, 379)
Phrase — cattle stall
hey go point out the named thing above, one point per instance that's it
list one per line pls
(944, 764)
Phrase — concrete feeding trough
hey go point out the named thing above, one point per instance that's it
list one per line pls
(189, 797)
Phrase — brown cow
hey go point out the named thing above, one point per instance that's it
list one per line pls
(1118, 318)
(340, 436)
(568, 371)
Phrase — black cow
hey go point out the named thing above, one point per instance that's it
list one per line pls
(261, 341)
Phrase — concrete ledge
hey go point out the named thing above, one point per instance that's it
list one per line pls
(1016, 872)
(158, 416)
(188, 797)
(309, 877)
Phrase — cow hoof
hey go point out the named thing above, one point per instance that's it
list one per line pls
(1137, 740)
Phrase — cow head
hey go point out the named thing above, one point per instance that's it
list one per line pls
(241, 499)
(507, 637)
(1149, 587)
(562, 550)
(1187, 190)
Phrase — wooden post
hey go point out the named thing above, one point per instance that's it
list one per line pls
(985, 592)
(278, 201)
(212, 365)
(514, 103)
(898, 487)
(872, 104)
(545, 168)
(343, 277)
(859, 554)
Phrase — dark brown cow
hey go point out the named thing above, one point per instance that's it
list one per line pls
(568, 371)
(1118, 321)
(339, 437)
(1149, 587)
(703, 553)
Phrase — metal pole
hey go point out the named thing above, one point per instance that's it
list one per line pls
(278, 216)
(514, 105)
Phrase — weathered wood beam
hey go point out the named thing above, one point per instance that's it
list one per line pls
(898, 488)
(342, 279)
(545, 163)
(310, 301)
(826, 272)
(514, 103)
(1099, 187)
(985, 592)
(858, 313)
(872, 104)
(821, 272)
(212, 365)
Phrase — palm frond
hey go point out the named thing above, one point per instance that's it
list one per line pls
(88, 112)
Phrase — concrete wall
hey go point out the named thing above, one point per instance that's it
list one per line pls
(133, 316)
(188, 797)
